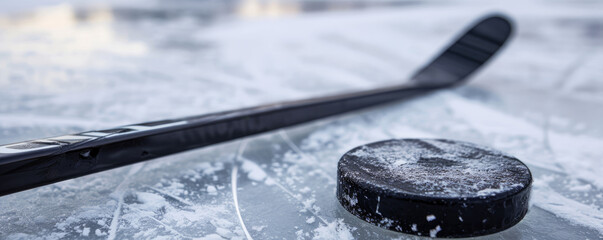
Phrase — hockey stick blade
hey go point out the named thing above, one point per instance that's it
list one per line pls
(34, 163)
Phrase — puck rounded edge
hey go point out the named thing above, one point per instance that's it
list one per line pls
(486, 191)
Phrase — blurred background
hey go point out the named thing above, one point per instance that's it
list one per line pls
(69, 66)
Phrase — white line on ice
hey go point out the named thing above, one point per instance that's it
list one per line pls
(233, 184)
(120, 200)
(115, 220)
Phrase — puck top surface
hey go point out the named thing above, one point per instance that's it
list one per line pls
(433, 168)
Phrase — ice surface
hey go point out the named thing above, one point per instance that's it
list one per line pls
(66, 68)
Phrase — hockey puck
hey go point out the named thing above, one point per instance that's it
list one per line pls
(434, 187)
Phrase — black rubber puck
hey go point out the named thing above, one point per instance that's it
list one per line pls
(433, 187)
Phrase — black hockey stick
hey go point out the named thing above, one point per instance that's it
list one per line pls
(35, 163)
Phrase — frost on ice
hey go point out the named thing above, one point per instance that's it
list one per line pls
(334, 230)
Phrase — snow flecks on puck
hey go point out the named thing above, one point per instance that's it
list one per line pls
(352, 200)
(430, 218)
(378, 203)
(413, 227)
(436, 168)
(434, 232)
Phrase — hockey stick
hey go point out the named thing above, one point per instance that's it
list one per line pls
(35, 163)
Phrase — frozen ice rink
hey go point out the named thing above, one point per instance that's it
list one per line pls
(71, 67)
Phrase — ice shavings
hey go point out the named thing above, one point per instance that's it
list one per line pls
(579, 154)
(386, 223)
(258, 228)
(165, 210)
(88, 213)
(150, 201)
(413, 227)
(211, 190)
(545, 197)
(254, 172)
(153, 209)
(99, 233)
(580, 188)
(305, 190)
(434, 232)
(303, 198)
(351, 199)
(377, 208)
(334, 230)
